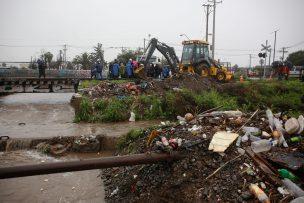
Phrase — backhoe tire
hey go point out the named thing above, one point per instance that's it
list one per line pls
(203, 70)
(221, 76)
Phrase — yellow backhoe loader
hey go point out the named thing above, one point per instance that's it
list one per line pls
(195, 59)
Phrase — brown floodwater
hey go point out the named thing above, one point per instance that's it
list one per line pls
(80, 186)
(35, 115)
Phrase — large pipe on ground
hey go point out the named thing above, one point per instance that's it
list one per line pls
(88, 164)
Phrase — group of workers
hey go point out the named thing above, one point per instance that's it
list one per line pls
(283, 69)
(120, 70)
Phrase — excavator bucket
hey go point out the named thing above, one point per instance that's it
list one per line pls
(140, 71)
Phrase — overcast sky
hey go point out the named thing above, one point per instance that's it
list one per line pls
(30, 26)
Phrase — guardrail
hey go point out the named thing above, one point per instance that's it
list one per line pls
(29, 73)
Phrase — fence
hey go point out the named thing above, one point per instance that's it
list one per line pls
(29, 73)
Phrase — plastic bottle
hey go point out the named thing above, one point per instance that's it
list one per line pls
(296, 139)
(298, 200)
(293, 188)
(260, 146)
(259, 193)
(284, 173)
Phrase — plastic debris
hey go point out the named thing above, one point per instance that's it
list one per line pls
(292, 126)
(294, 190)
(261, 146)
(269, 116)
(221, 141)
(259, 193)
(114, 192)
(132, 117)
(301, 124)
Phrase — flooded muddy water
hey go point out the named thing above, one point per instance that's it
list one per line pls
(44, 115)
(80, 186)
(34, 115)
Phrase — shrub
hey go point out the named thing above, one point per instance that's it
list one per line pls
(127, 139)
(85, 111)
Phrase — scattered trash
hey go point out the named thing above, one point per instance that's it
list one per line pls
(114, 192)
(259, 193)
(284, 173)
(152, 135)
(261, 146)
(283, 191)
(294, 190)
(132, 117)
(298, 200)
(301, 124)
(221, 141)
(189, 117)
(269, 116)
(195, 128)
(292, 126)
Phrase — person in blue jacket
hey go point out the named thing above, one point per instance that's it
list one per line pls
(129, 69)
(115, 69)
(165, 71)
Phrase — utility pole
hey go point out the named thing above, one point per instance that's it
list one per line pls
(269, 57)
(64, 53)
(250, 60)
(283, 51)
(274, 46)
(213, 34)
(207, 18)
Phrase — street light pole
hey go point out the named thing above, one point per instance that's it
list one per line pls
(184, 35)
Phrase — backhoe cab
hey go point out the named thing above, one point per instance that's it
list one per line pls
(195, 59)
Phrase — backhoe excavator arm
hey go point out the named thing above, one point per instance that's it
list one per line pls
(167, 51)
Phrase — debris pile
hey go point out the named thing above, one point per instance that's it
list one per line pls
(228, 157)
(58, 146)
(106, 90)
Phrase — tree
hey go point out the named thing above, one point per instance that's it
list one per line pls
(3, 64)
(296, 58)
(98, 53)
(85, 60)
(129, 54)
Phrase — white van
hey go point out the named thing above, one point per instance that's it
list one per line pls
(153, 59)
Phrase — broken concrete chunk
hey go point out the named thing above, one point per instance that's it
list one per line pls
(292, 126)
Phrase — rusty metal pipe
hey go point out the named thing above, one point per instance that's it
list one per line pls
(88, 164)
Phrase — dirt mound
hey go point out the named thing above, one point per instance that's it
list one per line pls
(193, 82)
(186, 180)
(188, 81)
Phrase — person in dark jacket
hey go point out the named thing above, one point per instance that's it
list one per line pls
(98, 68)
(158, 71)
(41, 68)
(115, 69)
(93, 72)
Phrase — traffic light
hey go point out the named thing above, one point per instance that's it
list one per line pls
(262, 55)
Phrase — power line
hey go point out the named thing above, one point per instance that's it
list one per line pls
(297, 44)
(24, 46)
